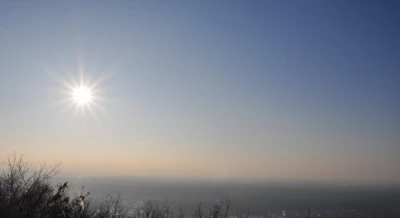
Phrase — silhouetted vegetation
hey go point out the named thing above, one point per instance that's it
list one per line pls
(28, 191)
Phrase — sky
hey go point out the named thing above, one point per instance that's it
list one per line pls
(216, 89)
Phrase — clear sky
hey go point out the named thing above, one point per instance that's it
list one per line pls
(221, 89)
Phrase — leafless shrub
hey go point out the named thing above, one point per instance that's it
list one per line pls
(26, 191)
(181, 211)
(167, 210)
(215, 211)
(227, 204)
(199, 212)
(111, 207)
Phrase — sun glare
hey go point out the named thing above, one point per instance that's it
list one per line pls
(82, 95)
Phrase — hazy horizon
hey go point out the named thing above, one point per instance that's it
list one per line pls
(260, 198)
(264, 90)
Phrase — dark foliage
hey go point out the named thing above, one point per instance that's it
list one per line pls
(28, 192)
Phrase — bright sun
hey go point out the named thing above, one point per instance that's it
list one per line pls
(82, 95)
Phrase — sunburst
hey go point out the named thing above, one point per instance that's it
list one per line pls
(81, 94)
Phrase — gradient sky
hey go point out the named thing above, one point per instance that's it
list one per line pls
(221, 89)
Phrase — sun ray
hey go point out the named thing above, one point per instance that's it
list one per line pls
(80, 93)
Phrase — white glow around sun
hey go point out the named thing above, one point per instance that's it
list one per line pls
(82, 95)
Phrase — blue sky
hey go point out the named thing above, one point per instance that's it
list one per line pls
(269, 89)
